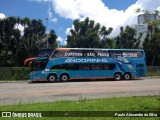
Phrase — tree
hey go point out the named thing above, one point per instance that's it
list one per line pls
(16, 47)
(127, 39)
(52, 39)
(9, 39)
(87, 34)
(33, 35)
(49, 40)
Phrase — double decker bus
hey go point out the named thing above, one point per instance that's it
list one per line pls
(89, 63)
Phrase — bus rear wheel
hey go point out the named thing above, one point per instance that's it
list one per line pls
(52, 78)
(117, 76)
(64, 77)
(127, 76)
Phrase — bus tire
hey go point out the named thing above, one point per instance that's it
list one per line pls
(117, 76)
(127, 76)
(64, 77)
(52, 78)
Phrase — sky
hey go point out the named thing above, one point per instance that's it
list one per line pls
(61, 13)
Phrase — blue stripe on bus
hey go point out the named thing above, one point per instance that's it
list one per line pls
(120, 67)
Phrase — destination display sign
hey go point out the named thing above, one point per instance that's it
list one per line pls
(88, 54)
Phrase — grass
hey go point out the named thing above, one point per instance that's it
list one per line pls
(150, 74)
(147, 103)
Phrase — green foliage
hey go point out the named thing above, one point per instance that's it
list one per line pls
(127, 39)
(153, 71)
(88, 34)
(14, 73)
(16, 46)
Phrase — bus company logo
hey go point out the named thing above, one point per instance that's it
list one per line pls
(70, 60)
(6, 114)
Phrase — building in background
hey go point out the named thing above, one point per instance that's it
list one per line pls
(142, 18)
(142, 26)
(141, 29)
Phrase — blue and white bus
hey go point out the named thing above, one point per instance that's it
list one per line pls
(89, 63)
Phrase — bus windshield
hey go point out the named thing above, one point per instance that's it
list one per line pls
(39, 64)
(45, 52)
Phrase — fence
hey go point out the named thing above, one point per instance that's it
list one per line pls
(22, 73)
(153, 70)
(14, 73)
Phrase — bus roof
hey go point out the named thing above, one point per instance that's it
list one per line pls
(68, 49)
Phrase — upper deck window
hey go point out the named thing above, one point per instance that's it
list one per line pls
(127, 54)
(97, 53)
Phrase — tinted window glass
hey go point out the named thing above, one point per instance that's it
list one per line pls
(115, 54)
(58, 54)
(72, 66)
(128, 54)
(109, 66)
(66, 66)
(97, 67)
(135, 54)
(39, 64)
(45, 52)
(84, 67)
(61, 66)
(102, 53)
(74, 53)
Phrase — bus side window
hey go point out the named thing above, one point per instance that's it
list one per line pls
(109, 66)
(97, 67)
(66, 67)
(84, 67)
(71, 66)
(106, 67)
(61, 66)
(112, 66)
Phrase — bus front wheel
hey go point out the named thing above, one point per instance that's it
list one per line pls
(64, 77)
(117, 76)
(52, 78)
